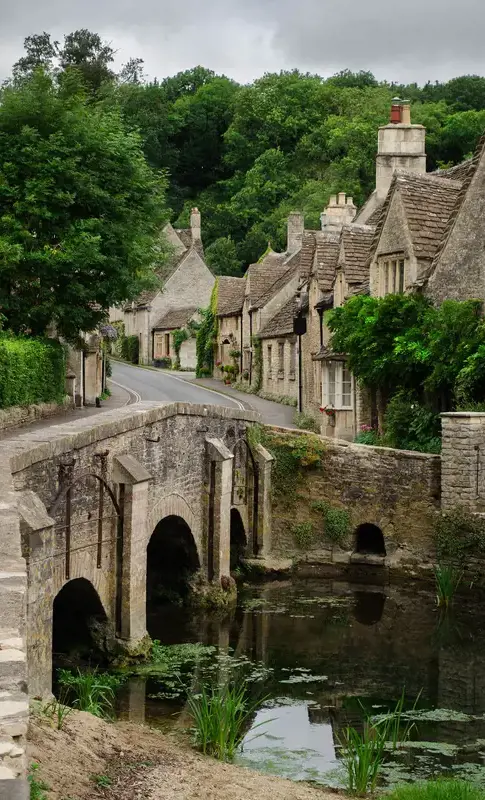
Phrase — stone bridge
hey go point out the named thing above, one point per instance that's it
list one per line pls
(93, 509)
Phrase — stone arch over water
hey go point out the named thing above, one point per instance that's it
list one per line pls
(172, 561)
(369, 540)
(239, 540)
(78, 619)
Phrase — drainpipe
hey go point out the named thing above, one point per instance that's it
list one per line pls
(242, 343)
(250, 348)
(320, 316)
(153, 345)
(300, 384)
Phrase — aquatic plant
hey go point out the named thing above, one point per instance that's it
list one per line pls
(443, 789)
(92, 691)
(363, 753)
(448, 579)
(221, 717)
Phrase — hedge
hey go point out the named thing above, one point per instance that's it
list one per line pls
(130, 347)
(31, 371)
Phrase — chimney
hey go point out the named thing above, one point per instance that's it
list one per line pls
(296, 225)
(195, 224)
(340, 211)
(401, 146)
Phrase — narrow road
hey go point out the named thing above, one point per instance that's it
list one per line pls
(147, 384)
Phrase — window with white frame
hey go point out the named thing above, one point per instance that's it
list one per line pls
(281, 358)
(336, 385)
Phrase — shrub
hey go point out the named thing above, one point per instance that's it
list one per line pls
(410, 426)
(130, 349)
(306, 422)
(336, 521)
(303, 534)
(368, 435)
(163, 363)
(31, 371)
(459, 537)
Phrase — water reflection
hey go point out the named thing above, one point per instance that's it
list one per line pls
(337, 652)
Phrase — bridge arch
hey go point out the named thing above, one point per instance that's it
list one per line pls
(174, 505)
(78, 615)
(369, 540)
(238, 538)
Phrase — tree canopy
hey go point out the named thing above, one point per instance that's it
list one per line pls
(80, 210)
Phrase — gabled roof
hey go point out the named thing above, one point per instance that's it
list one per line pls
(282, 322)
(356, 243)
(428, 202)
(291, 265)
(174, 318)
(326, 258)
(230, 295)
(263, 275)
(307, 253)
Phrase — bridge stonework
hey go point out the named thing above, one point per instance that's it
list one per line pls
(81, 500)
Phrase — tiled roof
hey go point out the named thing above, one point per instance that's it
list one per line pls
(327, 249)
(230, 295)
(325, 353)
(174, 318)
(458, 173)
(282, 322)
(356, 242)
(291, 270)
(428, 202)
(375, 216)
(359, 288)
(307, 253)
(263, 275)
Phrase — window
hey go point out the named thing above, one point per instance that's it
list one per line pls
(167, 344)
(281, 358)
(391, 276)
(269, 351)
(292, 359)
(400, 277)
(337, 385)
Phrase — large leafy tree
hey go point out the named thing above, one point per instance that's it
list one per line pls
(80, 210)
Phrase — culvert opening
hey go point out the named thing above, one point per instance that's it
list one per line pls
(369, 540)
(172, 560)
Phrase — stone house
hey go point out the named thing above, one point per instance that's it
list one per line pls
(186, 284)
(164, 346)
(230, 301)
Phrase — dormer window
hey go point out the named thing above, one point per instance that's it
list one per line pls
(392, 275)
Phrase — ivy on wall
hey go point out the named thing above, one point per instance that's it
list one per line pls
(206, 337)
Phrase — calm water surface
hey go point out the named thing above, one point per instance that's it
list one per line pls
(328, 654)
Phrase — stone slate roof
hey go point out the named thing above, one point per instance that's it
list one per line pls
(292, 264)
(428, 201)
(263, 275)
(326, 258)
(375, 216)
(307, 253)
(282, 322)
(174, 318)
(357, 242)
(230, 295)
(458, 173)
(359, 288)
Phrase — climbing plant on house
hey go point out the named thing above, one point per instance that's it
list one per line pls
(206, 336)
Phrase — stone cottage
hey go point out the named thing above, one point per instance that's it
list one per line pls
(186, 284)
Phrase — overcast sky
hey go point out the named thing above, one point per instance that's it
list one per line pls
(402, 41)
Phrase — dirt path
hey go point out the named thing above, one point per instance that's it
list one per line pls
(142, 764)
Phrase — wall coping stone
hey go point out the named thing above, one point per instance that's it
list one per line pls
(28, 448)
(463, 414)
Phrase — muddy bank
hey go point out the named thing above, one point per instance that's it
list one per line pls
(141, 763)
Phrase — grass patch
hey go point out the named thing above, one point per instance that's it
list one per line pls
(303, 534)
(221, 717)
(437, 790)
(448, 579)
(37, 787)
(336, 521)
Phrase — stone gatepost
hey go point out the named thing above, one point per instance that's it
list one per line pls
(463, 461)
(133, 480)
(264, 460)
(219, 479)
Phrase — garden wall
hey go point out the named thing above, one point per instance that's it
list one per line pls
(396, 491)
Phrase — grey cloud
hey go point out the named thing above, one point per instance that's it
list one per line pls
(412, 40)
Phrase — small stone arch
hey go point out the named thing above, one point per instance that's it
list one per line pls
(79, 622)
(238, 538)
(369, 540)
(172, 563)
(174, 505)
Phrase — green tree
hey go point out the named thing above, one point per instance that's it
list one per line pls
(222, 258)
(80, 210)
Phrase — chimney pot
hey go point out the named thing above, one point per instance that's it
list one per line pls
(341, 198)
(333, 200)
(350, 201)
(406, 114)
(195, 224)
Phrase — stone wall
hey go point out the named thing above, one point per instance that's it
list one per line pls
(23, 415)
(398, 491)
(463, 461)
(280, 382)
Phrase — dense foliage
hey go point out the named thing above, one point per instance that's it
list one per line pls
(402, 343)
(31, 371)
(80, 209)
(247, 155)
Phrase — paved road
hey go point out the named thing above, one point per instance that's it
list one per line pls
(147, 384)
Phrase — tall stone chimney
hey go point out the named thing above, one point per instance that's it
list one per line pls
(296, 225)
(401, 146)
(340, 211)
(195, 224)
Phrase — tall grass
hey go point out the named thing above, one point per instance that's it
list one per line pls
(448, 579)
(444, 789)
(363, 753)
(92, 691)
(221, 716)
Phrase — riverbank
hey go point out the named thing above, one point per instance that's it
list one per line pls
(90, 758)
